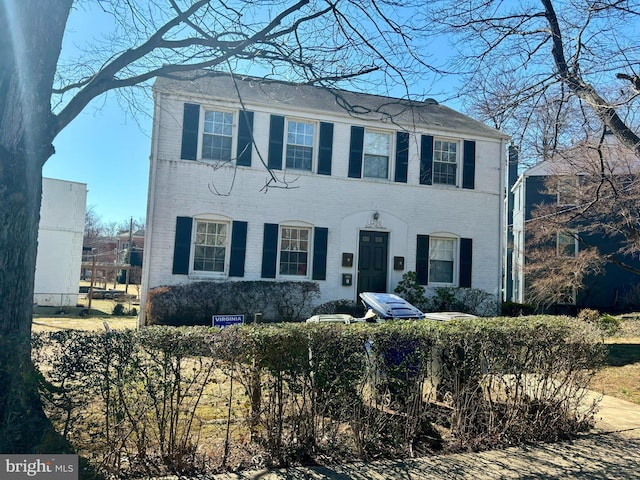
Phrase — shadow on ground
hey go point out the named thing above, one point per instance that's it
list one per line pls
(609, 456)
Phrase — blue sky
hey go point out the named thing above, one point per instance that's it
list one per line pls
(105, 147)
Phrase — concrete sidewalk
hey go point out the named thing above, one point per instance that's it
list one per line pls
(610, 451)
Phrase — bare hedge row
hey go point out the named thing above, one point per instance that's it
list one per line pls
(194, 399)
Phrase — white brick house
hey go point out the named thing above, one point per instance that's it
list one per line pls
(375, 189)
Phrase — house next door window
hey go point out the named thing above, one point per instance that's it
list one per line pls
(372, 261)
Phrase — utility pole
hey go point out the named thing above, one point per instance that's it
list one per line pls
(93, 276)
(126, 272)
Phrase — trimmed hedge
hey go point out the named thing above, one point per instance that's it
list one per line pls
(188, 400)
(195, 303)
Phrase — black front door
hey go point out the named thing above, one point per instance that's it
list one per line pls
(372, 261)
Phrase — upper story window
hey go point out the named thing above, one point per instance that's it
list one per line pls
(294, 250)
(568, 187)
(376, 154)
(445, 162)
(217, 135)
(299, 153)
(442, 256)
(567, 244)
(210, 243)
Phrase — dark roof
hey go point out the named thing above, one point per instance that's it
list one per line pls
(256, 91)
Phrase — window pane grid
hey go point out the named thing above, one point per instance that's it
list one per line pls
(299, 145)
(210, 246)
(444, 173)
(566, 245)
(294, 247)
(376, 154)
(217, 137)
(441, 260)
(445, 160)
(375, 166)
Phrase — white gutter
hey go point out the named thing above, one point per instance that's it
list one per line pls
(504, 166)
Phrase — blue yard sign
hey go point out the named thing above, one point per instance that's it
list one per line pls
(224, 321)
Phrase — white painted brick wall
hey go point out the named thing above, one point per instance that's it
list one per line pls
(344, 205)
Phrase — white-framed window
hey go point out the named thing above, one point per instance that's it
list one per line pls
(217, 135)
(210, 246)
(568, 190)
(294, 248)
(300, 138)
(377, 148)
(445, 162)
(567, 244)
(443, 254)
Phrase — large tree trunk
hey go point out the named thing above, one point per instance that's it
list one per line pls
(30, 39)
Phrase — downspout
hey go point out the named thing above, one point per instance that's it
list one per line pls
(502, 245)
(151, 195)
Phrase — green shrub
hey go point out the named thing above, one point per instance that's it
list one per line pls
(442, 299)
(607, 323)
(196, 303)
(409, 289)
(345, 306)
(118, 310)
(514, 309)
(467, 300)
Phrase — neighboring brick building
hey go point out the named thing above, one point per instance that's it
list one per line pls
(384, 188)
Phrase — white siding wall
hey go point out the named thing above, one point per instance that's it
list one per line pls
(60, 242)
(344, 205)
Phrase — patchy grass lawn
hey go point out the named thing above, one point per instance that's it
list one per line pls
(43, 324)
(621, 377)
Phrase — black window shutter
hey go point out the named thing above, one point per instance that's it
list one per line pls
(245, 141)
(422, 260)
(325, 151)
(238, 249)
(426, 159)
(182, 246)
(356, 148)
(276, 139)
(190, 124)
(320, 236)
(269, 250)
(466, 260)
(469, 164)
(402, 156)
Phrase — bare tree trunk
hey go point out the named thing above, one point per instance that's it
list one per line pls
(30, 40)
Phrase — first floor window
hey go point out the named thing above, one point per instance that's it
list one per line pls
(441, 260)
(217, 135)
(376, 154)
(210, 245)
(299, 145)
(294, 250)
(445, 162)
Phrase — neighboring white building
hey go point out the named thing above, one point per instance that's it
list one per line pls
(60, 242)
(376, 187)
